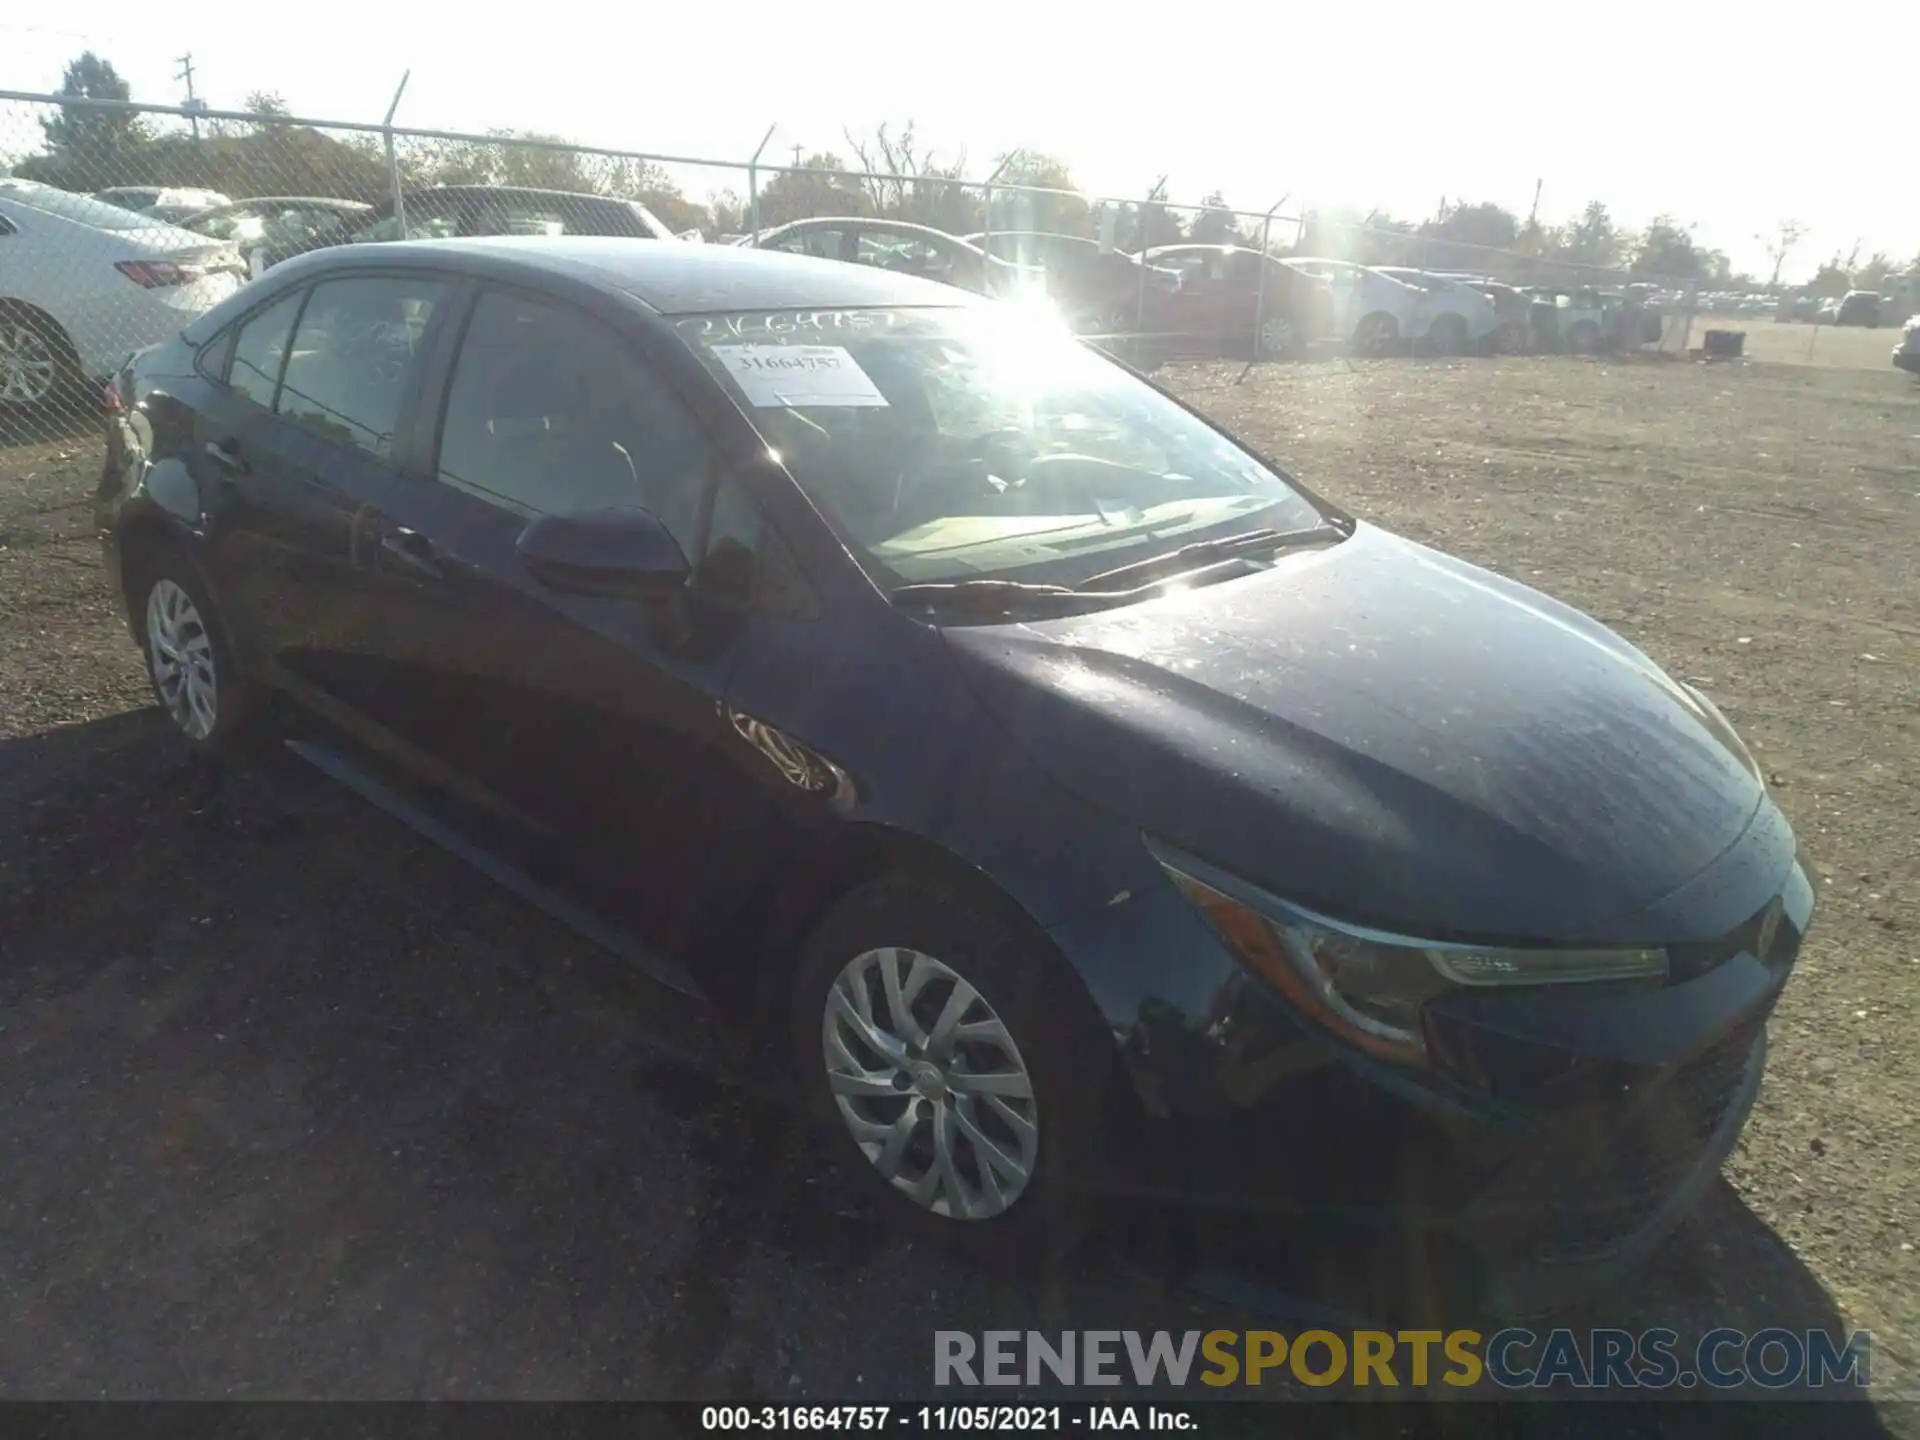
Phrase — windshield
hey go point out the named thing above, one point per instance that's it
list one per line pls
(84, 208)
(958, 443)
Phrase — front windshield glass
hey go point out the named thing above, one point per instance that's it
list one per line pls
(949, 444)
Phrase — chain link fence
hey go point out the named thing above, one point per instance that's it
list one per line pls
(120, 222)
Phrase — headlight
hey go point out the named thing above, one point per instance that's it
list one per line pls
(1368, 986)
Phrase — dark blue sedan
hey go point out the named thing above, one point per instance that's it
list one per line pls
(1065, 797)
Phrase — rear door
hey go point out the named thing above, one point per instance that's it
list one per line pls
(304, 441)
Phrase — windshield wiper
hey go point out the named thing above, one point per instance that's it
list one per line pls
(1207, 552)
(995, 597)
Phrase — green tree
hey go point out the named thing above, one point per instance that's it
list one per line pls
(1064, 211)
(1460, 235)
(1592, 240)
(1214, 224)
(1874, 271)
(803, 193)
(1832, 280)
(268, 103)
(88, 148)
(1667, 249)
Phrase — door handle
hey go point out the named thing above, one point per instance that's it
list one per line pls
(225, 457)
(412, 551)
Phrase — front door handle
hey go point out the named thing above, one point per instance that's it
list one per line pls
(412, 551)
(226, 457)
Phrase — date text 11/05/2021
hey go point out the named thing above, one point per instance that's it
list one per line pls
(940, 1419)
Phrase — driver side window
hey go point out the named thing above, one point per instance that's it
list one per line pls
(550, 413)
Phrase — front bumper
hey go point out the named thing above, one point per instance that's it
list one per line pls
(1907, 360)
(1556, 1133)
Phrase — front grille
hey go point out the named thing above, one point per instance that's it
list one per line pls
(1576, 1197)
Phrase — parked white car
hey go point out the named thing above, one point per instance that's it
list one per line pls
(1376, 312)
(162, 202)
(83, 284)
(1463, 318)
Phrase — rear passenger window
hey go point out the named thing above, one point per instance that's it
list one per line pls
(260, 348)
(550, 414)
(354, 357)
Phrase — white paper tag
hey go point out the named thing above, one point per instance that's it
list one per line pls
(795, 375)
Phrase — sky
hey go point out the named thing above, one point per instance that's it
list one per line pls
(1683, 108)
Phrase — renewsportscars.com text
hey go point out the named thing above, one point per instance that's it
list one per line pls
(1514, 1358)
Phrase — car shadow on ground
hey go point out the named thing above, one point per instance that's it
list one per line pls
(296, 1105)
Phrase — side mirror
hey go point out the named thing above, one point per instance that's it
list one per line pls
(624, 553)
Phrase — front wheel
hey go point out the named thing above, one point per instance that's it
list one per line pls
(947, 1058)
(1278, 339)
(1376, 335)
(1448, 336)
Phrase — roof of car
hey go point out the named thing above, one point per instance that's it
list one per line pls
(670, 276)
(325, 201)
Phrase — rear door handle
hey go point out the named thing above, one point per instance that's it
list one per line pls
(225, 457)
(413, 551)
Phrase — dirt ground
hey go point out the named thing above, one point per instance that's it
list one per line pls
(293, 1104)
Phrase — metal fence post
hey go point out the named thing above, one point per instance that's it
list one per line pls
(986, 198)
(753, 182)
(1260, 286)
(393, 161)
(1140, 306)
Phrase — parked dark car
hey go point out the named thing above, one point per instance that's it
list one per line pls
(1067, 799)
(446, 212)
(1526, 322)
(1224, 307)
(902, 247)
(271, 228)
(1108, 289)
(1859, 308)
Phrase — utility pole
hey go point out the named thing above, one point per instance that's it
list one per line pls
(796, 157)
(185, 72)
(1533, 215)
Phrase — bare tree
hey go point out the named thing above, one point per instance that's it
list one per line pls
(905, 181)
(1786, 235)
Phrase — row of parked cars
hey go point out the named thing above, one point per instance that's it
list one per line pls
(91, 278)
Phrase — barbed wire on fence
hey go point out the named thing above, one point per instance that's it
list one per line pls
(104, 281)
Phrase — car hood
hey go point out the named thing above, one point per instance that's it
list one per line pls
(1385, 734)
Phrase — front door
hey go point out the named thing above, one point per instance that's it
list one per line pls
(597, 719)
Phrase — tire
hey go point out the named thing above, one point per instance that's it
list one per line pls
(214, 709)
(1376, 334)
(1448, 336)
(1513, 339)
(39, 370)
(1278, 338)
(901, 1087)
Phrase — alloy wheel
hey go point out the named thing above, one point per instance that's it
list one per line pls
(1376, 335)
(181, 653)
(1276, 335)
(28, 365)
(930, 1084)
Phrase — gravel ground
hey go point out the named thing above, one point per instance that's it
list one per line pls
(292, 1104)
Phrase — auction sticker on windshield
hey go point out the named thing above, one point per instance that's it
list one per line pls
(795, 375)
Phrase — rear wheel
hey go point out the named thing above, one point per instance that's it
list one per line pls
(949, 1060)
(191, 667)
(38, 368)
(1378, 334)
